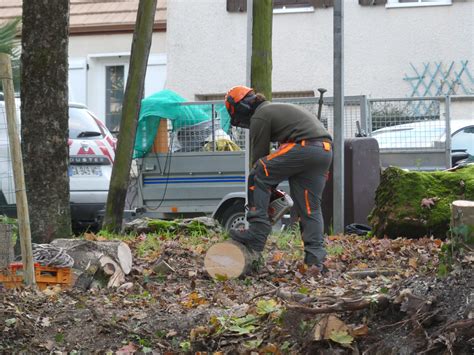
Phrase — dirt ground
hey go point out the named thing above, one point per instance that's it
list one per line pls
(399, 306)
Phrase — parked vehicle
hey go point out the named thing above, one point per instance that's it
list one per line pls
(429, 135)
(91, 155)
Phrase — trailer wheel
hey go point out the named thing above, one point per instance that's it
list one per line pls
(234, 216)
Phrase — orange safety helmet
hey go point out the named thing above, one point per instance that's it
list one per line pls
(239, 109)
(234, 96)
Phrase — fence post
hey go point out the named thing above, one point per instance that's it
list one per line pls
(447, 104)
(363, 114)
(18, 175)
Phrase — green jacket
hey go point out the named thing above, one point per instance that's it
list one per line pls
(282, 123)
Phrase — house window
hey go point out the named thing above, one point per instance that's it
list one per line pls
(280, 6)
(291, 3)
(114, 90)
(416, 3)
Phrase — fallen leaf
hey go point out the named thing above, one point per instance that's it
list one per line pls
(413, 262)
(360, 330)
(128, 349)
(341, 337)
(277, 256)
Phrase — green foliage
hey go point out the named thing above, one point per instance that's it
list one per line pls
(460, 236)
(335, 250)
(268, 306)
(14, 223)
(59, 337)
(8, 41)
(288, 238)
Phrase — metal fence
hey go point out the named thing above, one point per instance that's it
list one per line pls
(416, 133)
(214, 134)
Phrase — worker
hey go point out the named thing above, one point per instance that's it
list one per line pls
(303, 158)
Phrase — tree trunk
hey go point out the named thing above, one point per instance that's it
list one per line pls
(44, 117)
(131, 109)
(261, 75)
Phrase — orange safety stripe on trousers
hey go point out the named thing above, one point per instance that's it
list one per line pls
(264, 167)
(308, 208)
(282, 150)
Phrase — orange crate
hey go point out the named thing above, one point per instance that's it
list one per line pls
(45, 276)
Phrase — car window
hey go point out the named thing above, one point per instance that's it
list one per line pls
(82, 125)
(463, 139)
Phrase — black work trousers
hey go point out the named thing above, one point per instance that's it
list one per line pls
(305, 165)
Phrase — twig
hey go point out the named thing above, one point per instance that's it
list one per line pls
(371, 273)
(261, 294)
(345, 305)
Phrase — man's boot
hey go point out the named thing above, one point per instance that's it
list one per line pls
(311, 260)
(244, 237)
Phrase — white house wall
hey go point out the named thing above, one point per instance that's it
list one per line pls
(88, 56)
(206, 46)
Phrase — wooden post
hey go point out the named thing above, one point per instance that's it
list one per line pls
(18, 174)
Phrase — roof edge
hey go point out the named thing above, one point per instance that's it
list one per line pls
(112, 28)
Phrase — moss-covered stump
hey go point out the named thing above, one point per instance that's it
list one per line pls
(414, 204)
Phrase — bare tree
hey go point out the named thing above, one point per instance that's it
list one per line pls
(44, 116)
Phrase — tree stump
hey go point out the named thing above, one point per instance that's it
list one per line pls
(230, 260)
(462, 214)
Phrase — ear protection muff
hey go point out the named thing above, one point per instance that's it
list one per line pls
(241, 111)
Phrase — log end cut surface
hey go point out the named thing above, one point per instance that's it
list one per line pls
(226, 259)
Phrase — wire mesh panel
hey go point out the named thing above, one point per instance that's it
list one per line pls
(214, 132)
(354, 117)
(412, 133)
(399, 123)
(7, 189)
(6, 245)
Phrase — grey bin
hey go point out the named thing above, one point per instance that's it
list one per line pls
(361, 179)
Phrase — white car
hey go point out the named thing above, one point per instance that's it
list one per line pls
(91, 155)
(429, 134)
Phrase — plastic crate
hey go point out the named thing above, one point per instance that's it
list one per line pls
(45, 276)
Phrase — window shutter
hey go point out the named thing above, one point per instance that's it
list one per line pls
(372, 2)
(322, 3)
(236, 5)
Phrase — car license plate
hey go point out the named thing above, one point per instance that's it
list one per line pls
(85, 170)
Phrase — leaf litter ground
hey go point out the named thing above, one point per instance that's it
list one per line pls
(380, 296)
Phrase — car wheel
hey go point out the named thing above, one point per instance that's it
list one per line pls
(234, 217)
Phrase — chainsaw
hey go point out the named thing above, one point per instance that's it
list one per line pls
(280, 204)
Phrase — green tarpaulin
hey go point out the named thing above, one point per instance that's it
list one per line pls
(169, 105)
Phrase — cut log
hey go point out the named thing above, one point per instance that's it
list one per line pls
(462, 214)
(97, 263)
(82, 251)
(230, 260)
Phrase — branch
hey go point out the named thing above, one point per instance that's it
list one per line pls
(345, 305)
